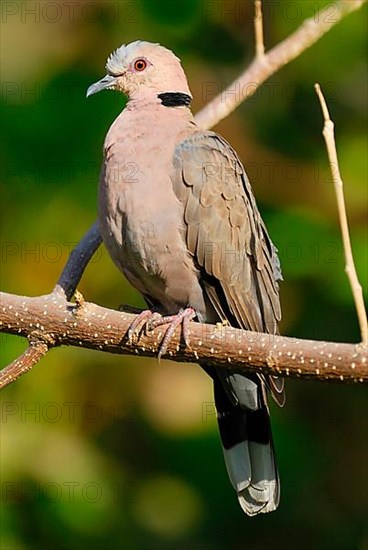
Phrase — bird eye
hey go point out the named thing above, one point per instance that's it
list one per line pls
(140, 64)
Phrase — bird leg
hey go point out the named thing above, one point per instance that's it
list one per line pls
(183, 317)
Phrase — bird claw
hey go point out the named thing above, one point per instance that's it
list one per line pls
(183, 317)
(149, 320)
(141, 321)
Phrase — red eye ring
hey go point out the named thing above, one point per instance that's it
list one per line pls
(140, 65)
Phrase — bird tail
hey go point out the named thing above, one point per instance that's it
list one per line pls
(246, 437)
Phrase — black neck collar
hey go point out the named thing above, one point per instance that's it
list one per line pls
(175, 99)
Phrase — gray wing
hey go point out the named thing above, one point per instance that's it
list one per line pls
(227, 237)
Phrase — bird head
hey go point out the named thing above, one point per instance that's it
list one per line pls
(142, 69)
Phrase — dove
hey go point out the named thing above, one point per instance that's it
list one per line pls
(179, 219)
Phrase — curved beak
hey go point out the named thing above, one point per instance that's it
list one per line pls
(106, 83)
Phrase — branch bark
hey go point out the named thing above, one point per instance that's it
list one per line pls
(90, 326)
(25, 362)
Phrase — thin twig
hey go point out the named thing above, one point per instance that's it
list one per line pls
(329, 135)
(23, 363)
(258, 29)
(262, 68)
(91, 326)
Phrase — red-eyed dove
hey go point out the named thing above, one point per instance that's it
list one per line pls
(179, 219)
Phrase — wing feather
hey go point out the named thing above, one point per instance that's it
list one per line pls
(227, 237)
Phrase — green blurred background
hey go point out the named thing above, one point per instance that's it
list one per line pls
(100, 451)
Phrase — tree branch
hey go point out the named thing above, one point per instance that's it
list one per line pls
(264, 66)
(90, 326)
(328, 134)
(24, 362)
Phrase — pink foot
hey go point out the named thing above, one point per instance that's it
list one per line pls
(142, 320)
(183, 317)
